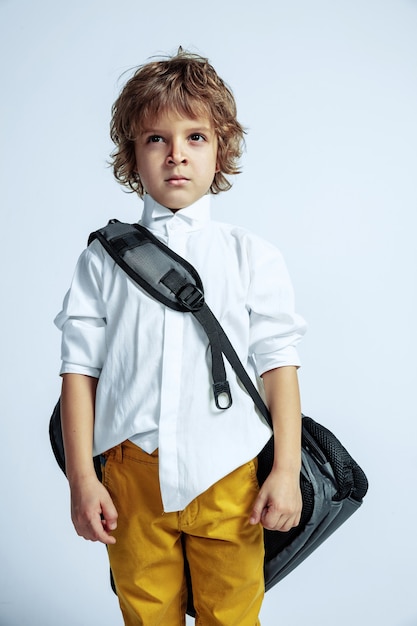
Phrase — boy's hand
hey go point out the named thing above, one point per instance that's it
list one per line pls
(279, 503)
(92, 511)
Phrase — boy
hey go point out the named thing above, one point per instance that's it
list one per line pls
(178, 473)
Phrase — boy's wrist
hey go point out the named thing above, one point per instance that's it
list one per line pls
(79, 476)
(290, 469)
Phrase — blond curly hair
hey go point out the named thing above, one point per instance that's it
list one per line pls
(187, 84)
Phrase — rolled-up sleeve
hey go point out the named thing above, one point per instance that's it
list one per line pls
(275, 328)
(82, 319)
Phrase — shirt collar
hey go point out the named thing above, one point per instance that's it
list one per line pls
(156, 217)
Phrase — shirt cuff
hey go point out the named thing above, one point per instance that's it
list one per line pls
(73, 368)
(83, 344)
(268, 361)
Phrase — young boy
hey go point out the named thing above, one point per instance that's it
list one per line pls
(179, 474)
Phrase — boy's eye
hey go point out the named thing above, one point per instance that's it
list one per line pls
(154, 139)
(197, 137)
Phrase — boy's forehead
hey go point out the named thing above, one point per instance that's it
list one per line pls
(199, 117)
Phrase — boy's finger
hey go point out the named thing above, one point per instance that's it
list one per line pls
(257, 510)
(107, 539)
(271, 520)
(109, 515)
(100, 533)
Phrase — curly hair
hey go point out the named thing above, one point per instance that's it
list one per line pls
(187, 84)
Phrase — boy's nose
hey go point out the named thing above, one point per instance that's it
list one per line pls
(176, 155)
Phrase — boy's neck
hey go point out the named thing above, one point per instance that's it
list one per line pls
(203, 200)
(196, 213)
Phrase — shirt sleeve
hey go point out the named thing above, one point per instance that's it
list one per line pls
(82, 319)
(275, 328)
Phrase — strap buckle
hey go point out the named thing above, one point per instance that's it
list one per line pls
(191, 297)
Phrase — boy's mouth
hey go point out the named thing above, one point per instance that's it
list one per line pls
(177, 181)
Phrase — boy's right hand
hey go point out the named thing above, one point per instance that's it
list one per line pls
(92, 510)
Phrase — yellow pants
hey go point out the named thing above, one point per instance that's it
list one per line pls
(225, 553)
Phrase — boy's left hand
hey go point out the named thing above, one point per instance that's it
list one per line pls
(279, 503)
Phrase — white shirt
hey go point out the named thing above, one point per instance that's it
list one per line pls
(153, 363)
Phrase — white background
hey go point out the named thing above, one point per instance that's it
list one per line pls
(327, 90)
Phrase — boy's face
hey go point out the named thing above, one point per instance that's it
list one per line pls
(176, 159)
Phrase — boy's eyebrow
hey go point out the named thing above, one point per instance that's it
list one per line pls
(194, 129)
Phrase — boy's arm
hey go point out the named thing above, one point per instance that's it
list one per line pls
(279, 503)
(92, 510)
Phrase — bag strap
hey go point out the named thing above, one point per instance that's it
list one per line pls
(172, 280)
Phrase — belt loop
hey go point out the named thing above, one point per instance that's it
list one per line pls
(118, 453)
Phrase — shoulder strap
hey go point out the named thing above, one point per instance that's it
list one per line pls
(170, 279)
